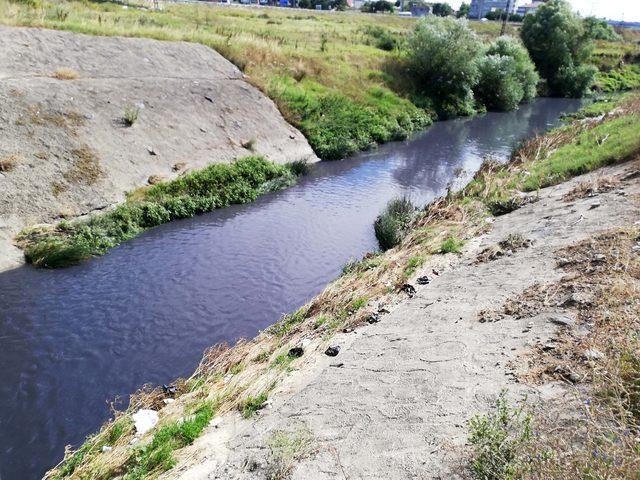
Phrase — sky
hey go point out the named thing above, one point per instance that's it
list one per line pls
(628, 10)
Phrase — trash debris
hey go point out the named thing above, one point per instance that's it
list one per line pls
(170, 389)
(424, 280)
(151, 150)
(373, 318)
(332, 351)
(145, 420)
(106, 448)
(337, 365)
(409, 289)
(296, 352)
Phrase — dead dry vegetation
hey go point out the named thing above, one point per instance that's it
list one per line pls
(596, 353)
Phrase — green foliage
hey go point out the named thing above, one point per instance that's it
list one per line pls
(599, 29)
(252, 404)
(215, 186)
(383, 39)
(131, 114)
(525, 70)
(377, 6)
(463, 11)
(157, 456)
(558, 44)
(392, 224)
(610, 142)
(441, 9)
(337, 126)
(413, 264)
(442, 56)
(623, 79)
(451, 245)
(499, 442)
(287, 322)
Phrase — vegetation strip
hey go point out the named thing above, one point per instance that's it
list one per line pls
(240, 377)
(210, 188)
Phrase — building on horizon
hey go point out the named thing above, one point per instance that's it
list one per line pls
(480, 8)
(529, 7)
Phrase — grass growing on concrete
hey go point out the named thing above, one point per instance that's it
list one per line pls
(392, 224)
(212, 187)
(451, 244)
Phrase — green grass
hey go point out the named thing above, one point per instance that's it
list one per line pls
(625, 78)
(287, 323)
(157, 456)
(499, 442)
(392, 225)
(413, 264)
(252, 404)
(215, 186)
(610, 142)
(451, 245)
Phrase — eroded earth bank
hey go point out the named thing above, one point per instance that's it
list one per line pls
(67, 102)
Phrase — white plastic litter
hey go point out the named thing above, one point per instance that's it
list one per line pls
(145, 420)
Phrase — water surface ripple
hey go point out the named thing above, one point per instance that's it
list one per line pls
(73, 339)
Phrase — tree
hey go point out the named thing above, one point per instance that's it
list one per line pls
(463, 11)
(442, 9)
(442, 55)
(559, 46)
(379, 6)
(599, 29)
(507, 76)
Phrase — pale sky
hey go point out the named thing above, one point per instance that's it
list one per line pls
(628, 10)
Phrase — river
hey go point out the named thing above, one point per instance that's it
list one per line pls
(72, 340)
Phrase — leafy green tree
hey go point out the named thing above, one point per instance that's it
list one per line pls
(559, 46)
(525, 70)
(442, 9)
(379, 6)
(599, 29)
(442, 55)
(463, 11)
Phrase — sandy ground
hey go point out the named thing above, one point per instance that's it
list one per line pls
(69, 152)
(394, 403)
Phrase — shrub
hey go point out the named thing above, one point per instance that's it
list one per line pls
(498, 88)
(130, 116)
(499, 442)
(377, 6)
(442, 56)
(558, 44)
(525, 70)
(599, 29)
(392, 224)
(451, 245)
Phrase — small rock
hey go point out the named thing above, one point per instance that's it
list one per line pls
(561, 320)
(167, 401)
(599, 257)
(227, 378)
(145, 420)
(337, 365)
(332, 351)
(296, 352)
(209, 98)
(435, 272)
(203, 130)
(578, 298)
(594, 205)
(151, 150)
(347, 330)
(593, 354)
(409, 289)
(306, 342)
(548, 347)
(424, 280)
(106, 448)
(134, 440)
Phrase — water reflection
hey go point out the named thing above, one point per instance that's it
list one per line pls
(72, 339)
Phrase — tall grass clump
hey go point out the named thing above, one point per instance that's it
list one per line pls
(393, 223)
(215, 186)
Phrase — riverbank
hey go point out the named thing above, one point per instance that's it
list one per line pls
(255, 376)
(88, 120)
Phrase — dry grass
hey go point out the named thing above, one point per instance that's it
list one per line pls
(86, 169)
(65, 74)
(8, 163)
(591, 188)
(597, 435)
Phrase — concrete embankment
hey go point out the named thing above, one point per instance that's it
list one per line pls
(87, 119)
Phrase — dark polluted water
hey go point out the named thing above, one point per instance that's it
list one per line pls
(72, 340)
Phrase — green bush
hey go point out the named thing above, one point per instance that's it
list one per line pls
(215, 186)
(392, 224)
(599, 29)
(559, 46)
(451, 245)
(498, 88)
(443, 58)
(525, 70)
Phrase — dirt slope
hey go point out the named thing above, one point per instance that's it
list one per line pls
(65, 149)
(394, 403)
